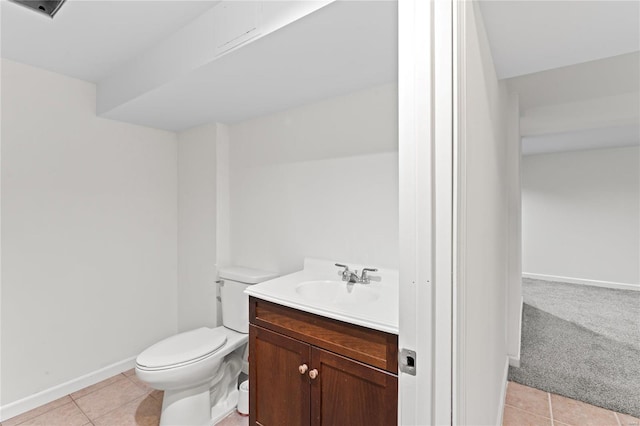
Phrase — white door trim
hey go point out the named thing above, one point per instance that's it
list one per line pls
(425, 106)
(415, 200)
(443, 211)
(459, 225)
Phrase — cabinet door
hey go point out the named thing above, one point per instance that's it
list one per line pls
(278, 392)
(347, 392)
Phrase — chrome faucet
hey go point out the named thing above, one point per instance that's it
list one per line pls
(348, 275)
(364, 278)
(353, 277)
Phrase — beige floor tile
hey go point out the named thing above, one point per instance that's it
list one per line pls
(97, 386)
(143, 411)
(36, 411)
(577, 413)
(234, 419)
(157, 394)
(239, 420)
(528, 399)
(131, 372)
(516, 417)
(109, 398)
(627, 420)
(65, 415)
(140, 384)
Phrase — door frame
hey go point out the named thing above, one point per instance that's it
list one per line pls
(426, 199)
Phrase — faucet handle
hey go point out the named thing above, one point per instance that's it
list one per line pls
(340, 265)
(345, 274)
(365, 279)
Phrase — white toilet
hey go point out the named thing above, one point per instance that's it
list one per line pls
(198, 370)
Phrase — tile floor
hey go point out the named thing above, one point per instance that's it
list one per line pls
(525, 406)
(123, 400)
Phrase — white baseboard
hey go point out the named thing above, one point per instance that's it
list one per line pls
(514, 361)
(503, 392)
(594, 283)
(44, 397)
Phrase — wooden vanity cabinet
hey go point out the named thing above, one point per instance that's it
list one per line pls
(281, 395)
(306, 369)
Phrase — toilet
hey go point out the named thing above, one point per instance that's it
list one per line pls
(198, 370)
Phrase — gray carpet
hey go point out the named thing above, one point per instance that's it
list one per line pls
(612, 313)
(582, 342)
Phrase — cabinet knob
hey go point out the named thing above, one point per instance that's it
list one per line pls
(303, 368)
(313, 373)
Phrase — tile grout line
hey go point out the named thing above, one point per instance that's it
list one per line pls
(95, 390)
(549, 416)
(110, 411)
(528, 412)
(74, 400)
(82, 411)
(139, 386)
(134, 383)
(148, 392)
(617, 416)
(120, 406)
(43, 413)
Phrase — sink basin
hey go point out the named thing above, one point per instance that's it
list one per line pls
(338, 292)
(318, 289)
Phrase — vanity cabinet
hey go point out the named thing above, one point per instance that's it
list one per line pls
(306, 369)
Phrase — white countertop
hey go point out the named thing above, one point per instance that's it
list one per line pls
(379, 314)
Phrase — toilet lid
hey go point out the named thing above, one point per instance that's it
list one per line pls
(182, 348)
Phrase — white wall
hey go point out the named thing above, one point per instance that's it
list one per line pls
(483, 356)
(514, 221)
(580, 215)
(319, 180)
(89, 214)
(223, 207)
(197, 227)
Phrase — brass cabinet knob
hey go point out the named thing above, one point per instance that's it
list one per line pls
(313, 373)
(303, 368)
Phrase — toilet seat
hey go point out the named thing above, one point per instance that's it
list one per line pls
(182, 349)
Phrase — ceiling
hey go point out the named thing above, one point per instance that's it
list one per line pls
(550, 52)
(574, 83)
(599, 100)
(567, 58)
(89, 39)
(608, 137)
(532, 36)
(341, 48)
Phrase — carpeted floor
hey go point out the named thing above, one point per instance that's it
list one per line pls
(581, 342)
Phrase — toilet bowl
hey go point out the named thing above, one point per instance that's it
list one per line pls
(198, 369)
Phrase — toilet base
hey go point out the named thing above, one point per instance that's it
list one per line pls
(186, 407)
(223, 408)
(193, 407)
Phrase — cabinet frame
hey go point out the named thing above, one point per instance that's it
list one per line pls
(387, 382)
(372, 347)
(295, 346)
(369, 357)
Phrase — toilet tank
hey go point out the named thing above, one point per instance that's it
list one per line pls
(235, 304)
